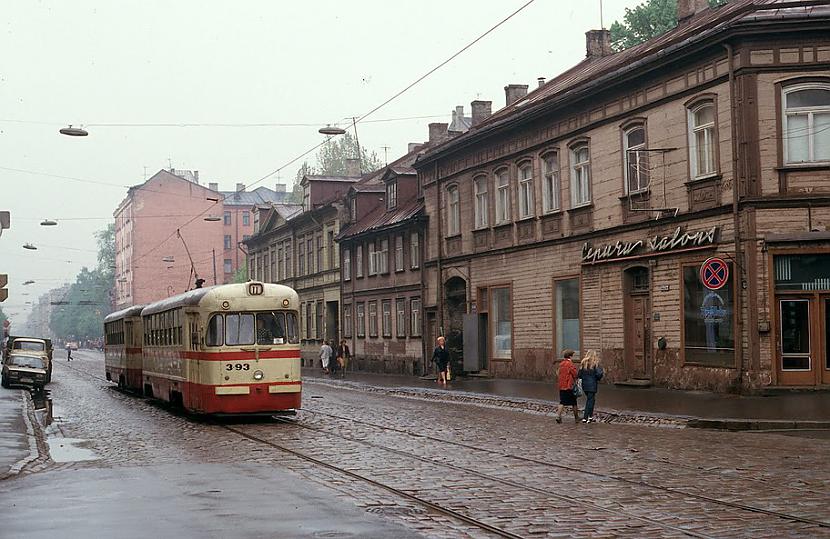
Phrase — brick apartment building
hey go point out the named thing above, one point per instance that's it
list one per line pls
(582, 215)
(155, 221)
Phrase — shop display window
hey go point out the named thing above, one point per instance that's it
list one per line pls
(708, 321)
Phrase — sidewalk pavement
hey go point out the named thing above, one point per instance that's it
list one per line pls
(802, 410)
(18, 445)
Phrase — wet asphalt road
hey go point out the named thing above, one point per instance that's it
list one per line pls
(147, 471)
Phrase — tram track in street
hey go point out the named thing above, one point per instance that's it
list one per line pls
(644, 484)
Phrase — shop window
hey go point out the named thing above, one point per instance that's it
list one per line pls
(702, 139)
(502, 322)
(802, 272)
(806, 123)
(708, 321)
(566, 309)
(481, 202)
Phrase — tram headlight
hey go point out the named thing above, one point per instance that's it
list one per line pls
(258, 375)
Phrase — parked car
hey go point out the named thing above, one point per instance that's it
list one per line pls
(33, 346)
(23, 368)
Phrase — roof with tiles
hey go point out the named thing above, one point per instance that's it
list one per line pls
(599, 72)
(260, 195)
(380, 219)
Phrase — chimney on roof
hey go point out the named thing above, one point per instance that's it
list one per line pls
(413, 147)
(196, 176)
(541, 81)
(437, 132)
(514, 92)
(481, 111)
(213, 186)
(280, 188)
(686, 9)
(598, 43)
(353, 167)
(240, 187)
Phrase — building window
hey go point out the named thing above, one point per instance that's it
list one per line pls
(636, 160)
(318, 326)
(580, 175)
(399, 252)
(280, 265)
(309, 253)
(288, 267)
(373, 260)
(383, 256)
(227, 218)
(526, 208)
(708, 322)
(400, 320)
(550, 183)
(391, 195)
(566, 312)
(246, 218)
(358, 261)
(273, 274)
(320, 253)
(353, 209)
(266, 268)
(481, 202)
(386, 309)
(502, 320)
(415, 317)
(300, 258)
(702, 140)
(347, 320)
(502, 197)
(347, 264)
(330, 249)
(228, 265)
(308, 320)
(306, 197)
(807, 123)
(246, 237)
(453, 212)
(414, 251)
(373, 318)
(228, 244)
(361, 320)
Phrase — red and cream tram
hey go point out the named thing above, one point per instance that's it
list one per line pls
(122, 347)
(228, 349)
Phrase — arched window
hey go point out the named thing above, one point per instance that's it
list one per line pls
(636, 160)
(526, 208)
(453, 211)
(550, 182)
(502, 197)
(806, 123)
(482, 206)
(580, 175)
(702, 140)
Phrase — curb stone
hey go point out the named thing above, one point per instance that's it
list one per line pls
(28, 414)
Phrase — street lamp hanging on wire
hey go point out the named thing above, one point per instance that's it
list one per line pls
(330, 130)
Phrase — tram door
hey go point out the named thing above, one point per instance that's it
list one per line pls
(194, 363)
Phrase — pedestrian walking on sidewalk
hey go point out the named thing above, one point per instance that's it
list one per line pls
(343, 356)
(567, 379)
(590, 373)
(325, 356)
(441, 357)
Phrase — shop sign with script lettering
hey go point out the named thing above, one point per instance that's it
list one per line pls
(654, 245)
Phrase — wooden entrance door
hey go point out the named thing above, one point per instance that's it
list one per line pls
(823, 364)
(637, 316)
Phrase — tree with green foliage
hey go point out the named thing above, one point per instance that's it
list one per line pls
(650, 19)
(3, 317)
(241, 275)
(331, 160)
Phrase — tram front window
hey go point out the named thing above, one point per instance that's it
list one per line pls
(239, 329)
(276, 328)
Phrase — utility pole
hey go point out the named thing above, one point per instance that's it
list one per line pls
(214, 266)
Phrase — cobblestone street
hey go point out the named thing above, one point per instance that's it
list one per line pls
(442, 469)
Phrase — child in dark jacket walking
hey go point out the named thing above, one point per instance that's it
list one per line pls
(590, 373)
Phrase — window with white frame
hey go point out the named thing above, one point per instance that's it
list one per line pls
(386, 321)
(400, 319)
(399, 252)
(347, 264)
(580, 175)
(361, 320)
(347, 320)
(636, 161)
(702, 140)
(415, 317)
(414, 251)
(353, 209)
(373, 318)
(806, 123)
(502, 197)
(391, 195)
(550, 183)
(526, 208)
(373, 261)
(453, 211)
(383, 256)
(481, 203)
(358, 261)
(288, 268)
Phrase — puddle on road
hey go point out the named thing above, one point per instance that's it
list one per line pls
(70, 450)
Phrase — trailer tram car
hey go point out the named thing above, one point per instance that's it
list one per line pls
(227, 349)
(123, 334)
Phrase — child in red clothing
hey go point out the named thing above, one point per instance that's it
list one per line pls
(567, 377)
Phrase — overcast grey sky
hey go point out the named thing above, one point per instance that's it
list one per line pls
(209, 62)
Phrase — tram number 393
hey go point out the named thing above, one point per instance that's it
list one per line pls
(237, 367)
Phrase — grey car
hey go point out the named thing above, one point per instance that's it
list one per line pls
(21, 369)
